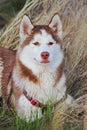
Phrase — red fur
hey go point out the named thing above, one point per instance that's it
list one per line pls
(36, 30)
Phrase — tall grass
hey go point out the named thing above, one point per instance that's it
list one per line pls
(10, 120)
(9, 9)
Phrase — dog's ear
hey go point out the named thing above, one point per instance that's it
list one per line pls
(56, 25)
(25, 28)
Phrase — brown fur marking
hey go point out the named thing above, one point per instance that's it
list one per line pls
(8, 58)
(16, 91)
(25, 72)
(37, 30)
(59, 72)
(56, 27)
(14, 95)
(25, 27)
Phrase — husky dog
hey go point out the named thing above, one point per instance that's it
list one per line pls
(33, 76)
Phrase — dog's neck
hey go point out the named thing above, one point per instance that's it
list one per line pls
(26, 79)
(25, 72)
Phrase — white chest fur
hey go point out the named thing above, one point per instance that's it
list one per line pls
(45, 91)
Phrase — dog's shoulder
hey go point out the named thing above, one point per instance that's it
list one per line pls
(7, 57)
(7, 62)
(6, 53)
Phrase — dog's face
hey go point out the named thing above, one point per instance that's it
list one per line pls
(41, 44)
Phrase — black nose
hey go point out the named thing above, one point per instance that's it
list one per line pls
(45, 55)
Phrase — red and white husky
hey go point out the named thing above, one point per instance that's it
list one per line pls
(36, 74)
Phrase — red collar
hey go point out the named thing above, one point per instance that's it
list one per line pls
(36, 103)
(33, 101)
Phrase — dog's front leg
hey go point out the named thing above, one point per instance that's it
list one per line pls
(24, 108)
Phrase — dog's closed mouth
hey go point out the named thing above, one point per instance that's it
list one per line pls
(44, 61)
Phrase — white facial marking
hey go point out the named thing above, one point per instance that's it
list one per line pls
(31, 54)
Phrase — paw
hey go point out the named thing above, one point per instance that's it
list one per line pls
(26, 110)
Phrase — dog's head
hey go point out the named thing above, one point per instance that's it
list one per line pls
(41, 44)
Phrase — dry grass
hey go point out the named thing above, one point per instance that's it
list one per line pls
(74, 17)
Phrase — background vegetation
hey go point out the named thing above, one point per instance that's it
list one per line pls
(8, 9)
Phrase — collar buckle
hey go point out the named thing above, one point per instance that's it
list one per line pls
(34, 102)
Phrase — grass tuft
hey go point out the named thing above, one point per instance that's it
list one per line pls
(9, 117)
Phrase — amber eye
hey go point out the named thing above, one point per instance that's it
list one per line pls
(36, 43)
(50, 43)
